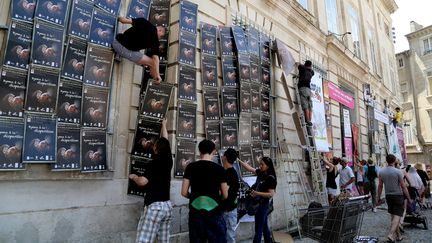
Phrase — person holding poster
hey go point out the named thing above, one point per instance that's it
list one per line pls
(305, 76)
(157, 215)
(208, 187)
(142, 35)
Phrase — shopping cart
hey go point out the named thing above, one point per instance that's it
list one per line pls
(338, 223)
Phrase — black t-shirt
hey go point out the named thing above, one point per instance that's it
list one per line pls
(233, 182)
(331, 178)
(159, 178)
(141, 35)
(205, 179)
(305, 76)
(423, 176)
(264, 183)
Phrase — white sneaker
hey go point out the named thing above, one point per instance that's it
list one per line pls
(374, 210)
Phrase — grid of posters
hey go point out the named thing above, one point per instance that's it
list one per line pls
(54, 11)
(187, 83)
(146, 134)
(156, 100)
(93, 151)
(47, 45)
(139, 9)
(80, 20)
(185, 154)
(229, 103)
(229, 134)
(137, 167)
(73, 64)
(17, 53)
(211, 105)
(99, 62)
(188, 13)
(208, 38)
(12, 90)
(11, 144)
(40, 139)
(209, 71)
(69, 102)
(186, 124)
(42, 90)
(68, 149)
(102, 28)
(23, 10)
(94, 107)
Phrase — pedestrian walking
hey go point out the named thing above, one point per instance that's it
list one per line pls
(347, 177)
(370, 175)
(230, 204)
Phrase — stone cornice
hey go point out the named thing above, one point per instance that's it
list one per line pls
(390, 5)
(420, 33)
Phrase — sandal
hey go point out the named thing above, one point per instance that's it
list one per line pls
(390, 240)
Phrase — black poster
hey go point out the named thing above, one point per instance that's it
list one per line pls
(255, 127)
(47, 46)
(257, 153)
(102, 28)
(11, 141)
(188, 16)
(147, 78)
(69, 102)
(213, 133)
(93, 151)
(137, 167)
(244, 68)
(94, 107)
(40, 140)
(265, 129)
(229, 70)
(163, 50)
(99, 62)
(68, 149)
(229, 134)
(211, 105)
(226, 41)
(229, 103)
(111, 6)
(245, 129)
(42, 89)
(187, 83)
(139, 9)
(265, 74)
(17, 53)
(240, 40)
(146, 134)
(208, 38)
(12, 91)
(245, 155)
(186, 124)
(54, 11)
(245, 97)
(255, 69)
(73, 64)
(265, 48)
(187, 48)
(80, 20)
(156, 100)
(159, 12)
(185, 154)
(255, 96)
(253, 40)
(23, 9)
(265, 101)
(209, 71)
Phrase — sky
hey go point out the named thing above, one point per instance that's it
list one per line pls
(417, 10)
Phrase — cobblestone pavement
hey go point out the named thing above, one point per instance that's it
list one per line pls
(378, 224)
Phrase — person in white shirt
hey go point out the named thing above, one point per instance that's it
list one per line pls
(347, 177)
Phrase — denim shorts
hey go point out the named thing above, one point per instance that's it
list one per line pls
(305, 98)
(134, 56)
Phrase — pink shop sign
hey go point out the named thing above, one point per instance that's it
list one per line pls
(337, 94)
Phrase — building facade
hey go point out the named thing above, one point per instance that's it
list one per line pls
(349, 43)
(415, 77)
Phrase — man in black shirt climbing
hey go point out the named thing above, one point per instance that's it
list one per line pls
(142, 35)
(305, 76)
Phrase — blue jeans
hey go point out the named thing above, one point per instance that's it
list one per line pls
(231, 223)
(206, 226)
(261, 224)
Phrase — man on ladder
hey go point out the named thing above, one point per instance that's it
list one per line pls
(305, 76)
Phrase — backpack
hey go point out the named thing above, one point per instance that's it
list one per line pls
(371, 174)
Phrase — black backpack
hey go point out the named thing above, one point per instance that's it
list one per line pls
(371, 173)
